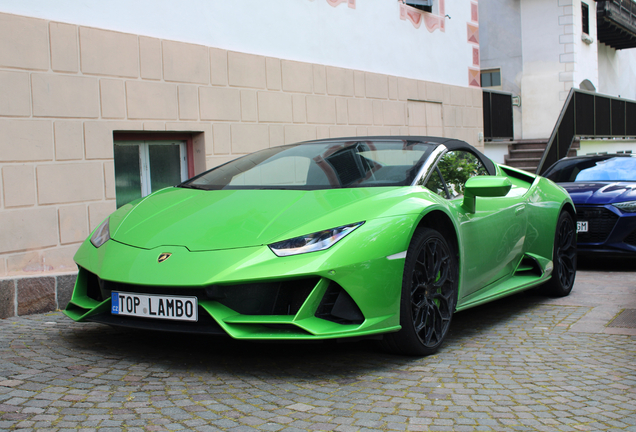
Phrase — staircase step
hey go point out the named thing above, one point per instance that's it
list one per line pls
(528, 144)
(528, 166)
(531, 141)
(533, 153)
(522, 159)
(526, 154)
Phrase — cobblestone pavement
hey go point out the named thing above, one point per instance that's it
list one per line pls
(523, 363)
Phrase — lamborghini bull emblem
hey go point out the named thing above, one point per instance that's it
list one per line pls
(164, 256)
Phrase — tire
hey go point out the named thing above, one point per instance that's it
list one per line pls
(563, 257)
(429, 295)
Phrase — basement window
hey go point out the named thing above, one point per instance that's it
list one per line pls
(585, 12)
(146, 164)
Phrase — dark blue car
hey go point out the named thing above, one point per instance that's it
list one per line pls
(603, 188)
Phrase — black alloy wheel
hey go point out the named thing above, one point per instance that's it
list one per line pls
(564, 257)
(429, 295)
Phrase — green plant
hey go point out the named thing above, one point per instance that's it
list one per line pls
(457, 167)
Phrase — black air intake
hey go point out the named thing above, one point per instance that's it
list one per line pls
(338, 306)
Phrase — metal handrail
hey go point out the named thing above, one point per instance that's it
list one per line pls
(618, 122)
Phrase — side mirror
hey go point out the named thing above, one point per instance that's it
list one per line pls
(484, 186)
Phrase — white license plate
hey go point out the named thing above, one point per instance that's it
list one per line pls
(581, 227)
(154, 306)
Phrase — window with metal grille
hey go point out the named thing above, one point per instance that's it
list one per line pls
(585, 12)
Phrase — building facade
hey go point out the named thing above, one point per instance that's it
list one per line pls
(102, 102)
(543, 48)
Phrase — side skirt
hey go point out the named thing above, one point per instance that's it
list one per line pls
(531, 271)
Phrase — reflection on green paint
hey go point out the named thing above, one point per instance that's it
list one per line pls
(127, 177)
(165, 166)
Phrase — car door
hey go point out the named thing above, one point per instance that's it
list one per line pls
(492, 238)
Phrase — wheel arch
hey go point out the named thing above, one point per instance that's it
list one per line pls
(568, 207)
(409, 340)
(441, 222)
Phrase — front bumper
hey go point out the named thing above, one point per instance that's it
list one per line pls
(613, 232)
(310, 308)
(346, 291)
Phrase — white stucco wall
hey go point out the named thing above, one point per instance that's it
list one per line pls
(500, 45)
(586, 55)
(548, 58)
(607, 146)
(543, 62)
(369, 37)
(555, 59)
(496, 150)
(617, 72)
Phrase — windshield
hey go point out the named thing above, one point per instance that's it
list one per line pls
(619, 168)
(320, 165)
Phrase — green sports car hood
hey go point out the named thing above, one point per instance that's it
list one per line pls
(226, 219)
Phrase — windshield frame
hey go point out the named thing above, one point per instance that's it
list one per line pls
(421, 167)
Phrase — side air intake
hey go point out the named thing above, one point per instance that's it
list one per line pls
(528, 267)
(338, 306)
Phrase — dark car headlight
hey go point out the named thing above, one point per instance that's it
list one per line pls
(101, 234)
(317, 241)
(627, 206)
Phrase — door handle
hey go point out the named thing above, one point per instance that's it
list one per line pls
(519, 210)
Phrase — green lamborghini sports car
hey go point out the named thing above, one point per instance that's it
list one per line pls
(382, 237)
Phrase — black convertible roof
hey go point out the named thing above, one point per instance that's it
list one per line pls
(449, 143)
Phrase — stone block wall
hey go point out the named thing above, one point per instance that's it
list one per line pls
(66, 88)
(35, 294)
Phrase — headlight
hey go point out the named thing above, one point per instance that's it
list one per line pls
(101, 234)
(317, 241)
(627, 206)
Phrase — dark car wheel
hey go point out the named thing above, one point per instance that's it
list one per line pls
(564, 257)
(429, 295)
